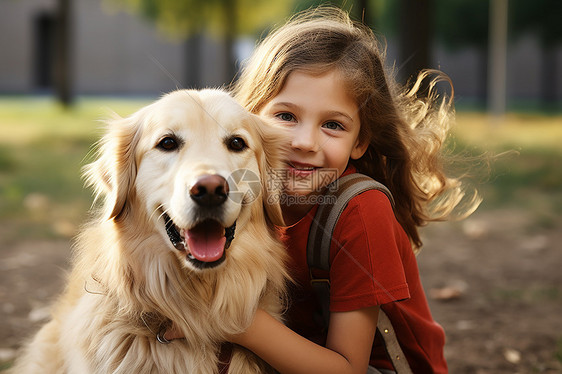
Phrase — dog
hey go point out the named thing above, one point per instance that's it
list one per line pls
(183, 233)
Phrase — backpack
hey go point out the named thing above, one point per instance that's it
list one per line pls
(318, 254)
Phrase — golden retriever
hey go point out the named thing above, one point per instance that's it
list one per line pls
(184, 235)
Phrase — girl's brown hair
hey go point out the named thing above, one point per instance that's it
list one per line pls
(405, 131)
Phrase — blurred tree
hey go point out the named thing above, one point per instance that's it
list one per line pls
(541, 17)
(62, 62)
(415, 30)
(348, 6)
(497, 65)
(462, 23)
(366, 11)
(227, 19)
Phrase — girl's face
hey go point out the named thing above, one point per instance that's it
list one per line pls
(324, 122)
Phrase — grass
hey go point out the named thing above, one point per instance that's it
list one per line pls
(529, 294)
(43, 147)
(521, 163)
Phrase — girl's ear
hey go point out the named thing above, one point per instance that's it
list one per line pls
(359, 149)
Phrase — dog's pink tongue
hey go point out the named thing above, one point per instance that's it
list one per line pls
(206, 241)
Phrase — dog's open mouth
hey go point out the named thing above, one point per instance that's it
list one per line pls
(205, 244)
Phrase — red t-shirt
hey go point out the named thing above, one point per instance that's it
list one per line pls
(372, 263)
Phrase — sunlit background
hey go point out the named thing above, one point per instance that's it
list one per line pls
(493, 281)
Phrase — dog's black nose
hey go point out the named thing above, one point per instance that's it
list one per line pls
(209, 190)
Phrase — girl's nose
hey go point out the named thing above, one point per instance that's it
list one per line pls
(305, 138)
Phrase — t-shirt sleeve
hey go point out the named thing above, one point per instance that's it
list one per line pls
(366, 265)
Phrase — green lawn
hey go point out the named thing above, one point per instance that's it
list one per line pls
(43, 147)
(521, 168)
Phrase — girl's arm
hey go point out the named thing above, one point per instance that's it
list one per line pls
(348, 347)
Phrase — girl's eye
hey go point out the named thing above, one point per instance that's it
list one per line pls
(333, 125)
(287, 117)
(236, 144)
(168, 143)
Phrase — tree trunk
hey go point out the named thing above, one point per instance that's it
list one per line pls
(192, 48)
(482, 93)
(415, 37)
(498, 58)
(63, 73)
(231, 30)
(549, 75)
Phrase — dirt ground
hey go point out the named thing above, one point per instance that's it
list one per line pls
(494, 282)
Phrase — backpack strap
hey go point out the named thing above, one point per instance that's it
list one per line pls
(322, 228)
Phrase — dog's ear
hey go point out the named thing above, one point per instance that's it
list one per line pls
(112, 174)
(275, 145)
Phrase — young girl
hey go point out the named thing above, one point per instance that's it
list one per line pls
(323, 77)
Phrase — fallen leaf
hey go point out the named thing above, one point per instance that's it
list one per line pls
(445, 293)
(511, 355)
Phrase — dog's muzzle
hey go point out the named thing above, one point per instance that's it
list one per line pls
(205, 243)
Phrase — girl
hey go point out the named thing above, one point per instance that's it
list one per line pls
(323, 77)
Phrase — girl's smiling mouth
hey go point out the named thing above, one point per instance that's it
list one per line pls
(300, 169)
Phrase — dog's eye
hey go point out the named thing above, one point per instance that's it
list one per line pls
(237, 144)
(168, 144)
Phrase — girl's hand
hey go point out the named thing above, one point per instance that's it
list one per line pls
(348, 347)
(173, 333)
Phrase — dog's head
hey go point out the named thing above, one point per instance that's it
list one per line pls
(194, 164)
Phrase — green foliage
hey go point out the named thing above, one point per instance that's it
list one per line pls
(187, 17)
(384, 16)
(539, 16)
(461, 22)
(465, 22)
(307, 4)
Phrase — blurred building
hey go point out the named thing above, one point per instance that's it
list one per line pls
(112, 51)
(115, 52)
(525, 78)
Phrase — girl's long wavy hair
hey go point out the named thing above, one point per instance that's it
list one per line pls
(405, 130)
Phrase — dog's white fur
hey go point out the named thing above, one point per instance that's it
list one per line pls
(128, 281)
